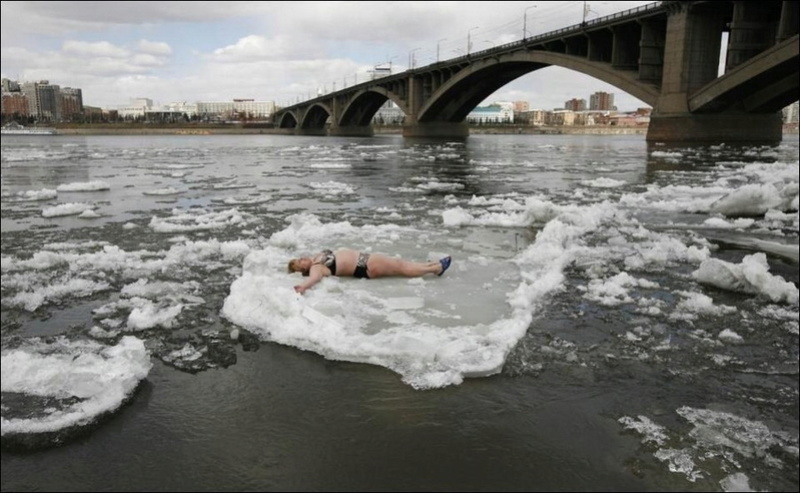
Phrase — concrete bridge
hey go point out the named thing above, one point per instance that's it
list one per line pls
(665, 54)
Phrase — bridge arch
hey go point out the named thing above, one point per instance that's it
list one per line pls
(453, 101)
(363, 106)
(315, 117)
(287, 119)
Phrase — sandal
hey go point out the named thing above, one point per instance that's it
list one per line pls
(445, 264)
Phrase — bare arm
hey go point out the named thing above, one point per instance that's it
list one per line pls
(315, 275)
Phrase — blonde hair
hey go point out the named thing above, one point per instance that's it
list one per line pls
(293, 267)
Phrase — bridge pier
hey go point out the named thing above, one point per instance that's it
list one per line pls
(351, 131)
(729, 128)
(317, 132)
(436, 129)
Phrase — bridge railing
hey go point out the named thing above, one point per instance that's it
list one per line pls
(558, 32)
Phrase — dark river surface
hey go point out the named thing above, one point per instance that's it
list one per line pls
(617, 316)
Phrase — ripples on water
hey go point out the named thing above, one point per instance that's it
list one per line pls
(668, 276)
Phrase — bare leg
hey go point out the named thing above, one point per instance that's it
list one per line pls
(383, 266)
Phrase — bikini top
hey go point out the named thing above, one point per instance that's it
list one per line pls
(328, 259)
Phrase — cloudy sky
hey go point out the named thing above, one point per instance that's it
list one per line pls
(274, 51)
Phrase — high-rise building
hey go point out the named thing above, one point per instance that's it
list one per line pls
(49, 96)
(15, 103)
(29, 90)
(10, 85)
(44, 100)
(575, 104)
(71, 103)
(602, 101)
(520, 106)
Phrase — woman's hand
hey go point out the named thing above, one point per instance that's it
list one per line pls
(315, 275)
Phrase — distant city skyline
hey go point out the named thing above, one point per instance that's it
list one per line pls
(45, 101)
(278, 51)
(608, 99)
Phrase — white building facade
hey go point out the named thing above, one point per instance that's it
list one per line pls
(500, 112)
(236, 109)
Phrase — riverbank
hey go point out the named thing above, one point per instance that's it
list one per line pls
(139, 129)
(126, 129)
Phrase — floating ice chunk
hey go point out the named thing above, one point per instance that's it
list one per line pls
(186, 353)
(89, 214)
(426, 355)
(101, 333)
(751, 276)
(716, 430)
(147, 315)
(650, 431)
(332, 188)
(193, 220)
(603, 183)
(730, 336)
(232, 184)
(439, 185)
(330, 166)
(99, 376)
(717, 222)
(306, 230)
(36, 296)
(511, 214)
(163, 191)
(736, 482)
(667, 154)
(69, 209)
(89, 186)
(680, 461)
(614, 291)
(749, 200)
(33, 195)
(144, 288)
(247, 200)
(456, 217)
(699, 304)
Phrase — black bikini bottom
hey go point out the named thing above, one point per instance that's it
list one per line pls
(361, 266)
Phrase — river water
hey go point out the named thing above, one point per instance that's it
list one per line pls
(616, 317)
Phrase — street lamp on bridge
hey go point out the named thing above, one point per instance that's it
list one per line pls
(411, 60)
(437, 48)
(469, 43)
(525, 22)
